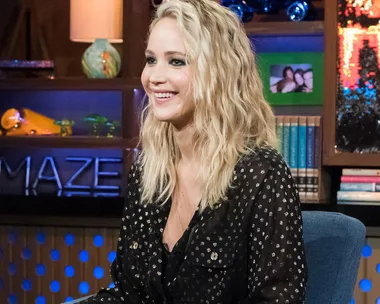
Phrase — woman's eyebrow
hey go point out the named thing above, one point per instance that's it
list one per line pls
(167, 53)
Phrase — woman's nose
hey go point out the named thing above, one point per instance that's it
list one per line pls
(158, 75)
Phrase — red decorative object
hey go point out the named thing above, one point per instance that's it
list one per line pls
(351, 42)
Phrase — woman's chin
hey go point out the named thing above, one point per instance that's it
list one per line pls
(163, 117)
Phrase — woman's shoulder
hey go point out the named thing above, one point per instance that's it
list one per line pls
(259, 162)
(260, 166)
(136, 165)
(261, 158)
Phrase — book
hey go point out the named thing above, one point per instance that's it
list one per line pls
(310, 157)
(361, 172)
(360, 203)
(286, 137)
(302, 142)
(299, 142)
(358, 196)
(359, 179)
(368, 187)
(279, 133)
(317, 156)
(293, 147)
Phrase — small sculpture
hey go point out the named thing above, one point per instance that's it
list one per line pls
(97, 122)
(27, 122)
(112, 125)
(64, 124)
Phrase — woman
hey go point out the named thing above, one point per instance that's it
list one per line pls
(212, 214)
(299, 80)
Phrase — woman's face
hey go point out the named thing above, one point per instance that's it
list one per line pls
(299, 79)
(166, 76)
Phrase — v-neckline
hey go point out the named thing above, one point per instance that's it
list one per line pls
(165, 221)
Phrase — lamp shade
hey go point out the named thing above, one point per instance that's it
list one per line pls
(96, 19)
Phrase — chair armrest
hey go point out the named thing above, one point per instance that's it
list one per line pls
(78, 300)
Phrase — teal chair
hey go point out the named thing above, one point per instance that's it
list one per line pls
(78, 300)
(333, 245)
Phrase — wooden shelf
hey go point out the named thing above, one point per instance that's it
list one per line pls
(352, 160)
(314, 203)
(75, 83)
(50, 210)
(367, 214)
(66, 142)
(61, 221)
(284, 28)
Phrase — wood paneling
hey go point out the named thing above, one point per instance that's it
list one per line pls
(55, 270)
(137, 16)
(88, 245)
(30, 264)
(359, 295)
(73, 253)
(349, 159)
(49, 265)
(98, 256)
(331, 10)
(4, 258)
(15, 258)
(371, 271)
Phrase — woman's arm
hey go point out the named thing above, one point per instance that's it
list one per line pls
(276, 258)
(123, 292)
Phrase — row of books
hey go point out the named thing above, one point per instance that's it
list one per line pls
(300, 146)
(359, 185)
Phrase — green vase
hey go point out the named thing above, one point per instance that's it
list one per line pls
(101, 60)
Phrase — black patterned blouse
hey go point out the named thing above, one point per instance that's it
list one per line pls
(246, 250)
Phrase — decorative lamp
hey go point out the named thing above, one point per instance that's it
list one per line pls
(100, 23)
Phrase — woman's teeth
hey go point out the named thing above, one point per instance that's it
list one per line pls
(164, 95)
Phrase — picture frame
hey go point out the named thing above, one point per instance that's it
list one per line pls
(279, 90)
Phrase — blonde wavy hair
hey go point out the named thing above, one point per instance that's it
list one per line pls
(231, 116)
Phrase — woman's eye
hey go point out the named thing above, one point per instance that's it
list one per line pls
(177, 62)
(150, 60)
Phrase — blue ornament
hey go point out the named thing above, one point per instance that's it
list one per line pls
(296, 10)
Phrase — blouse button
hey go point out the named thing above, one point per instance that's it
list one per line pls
(135, 245)
(214, 256)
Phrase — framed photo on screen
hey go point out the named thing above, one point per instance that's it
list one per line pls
(292, 78)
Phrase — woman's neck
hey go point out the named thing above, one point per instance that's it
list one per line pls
(184, 141)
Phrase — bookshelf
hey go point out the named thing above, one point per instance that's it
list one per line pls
(350, 159)
(69, 83)
(284, 28)
(67, 142)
